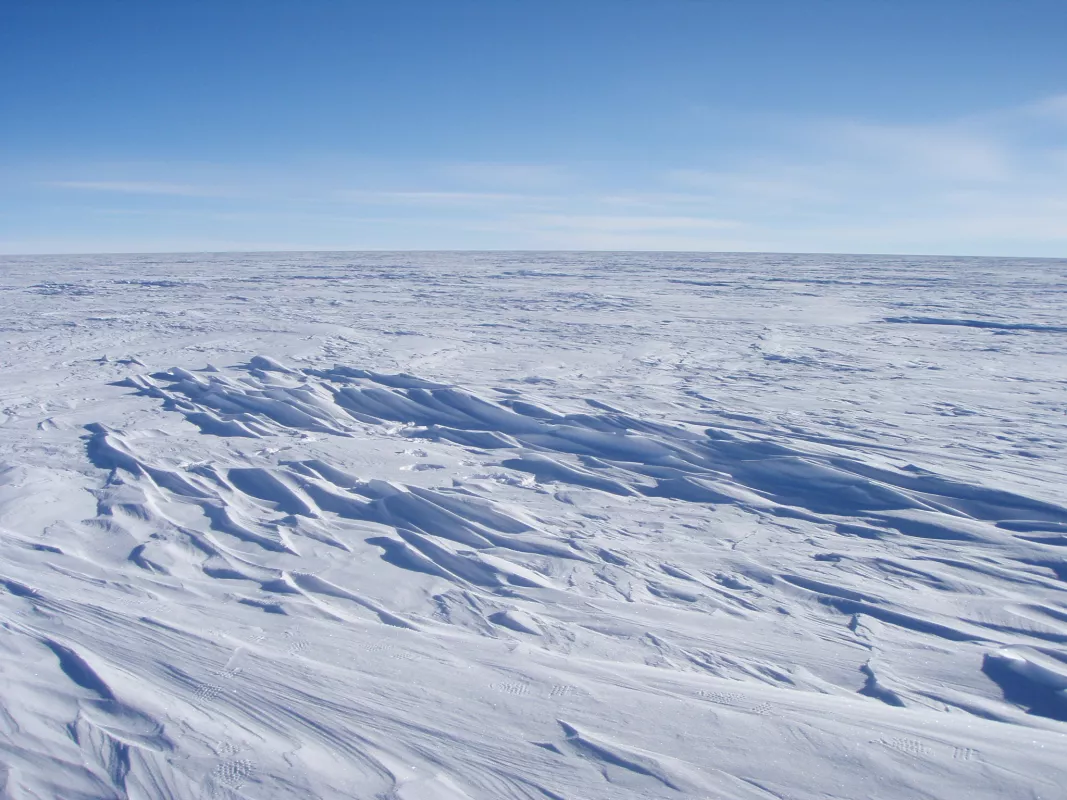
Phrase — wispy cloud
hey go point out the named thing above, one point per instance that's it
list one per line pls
(142, 187)
(437, 198)
(985, 183)
(950, 152)
(1052, 108)
(606, 223)
(753, 183)
(528, 177)
(992, 182)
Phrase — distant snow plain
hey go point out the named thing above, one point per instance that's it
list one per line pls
(521, 525)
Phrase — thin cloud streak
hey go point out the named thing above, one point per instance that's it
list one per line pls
(605, 223)
(507, 176)
(438, 198)
(141, 187)
(994, 183)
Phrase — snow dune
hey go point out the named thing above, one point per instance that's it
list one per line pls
(533, 526)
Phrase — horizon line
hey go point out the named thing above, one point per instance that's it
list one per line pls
(522, 250)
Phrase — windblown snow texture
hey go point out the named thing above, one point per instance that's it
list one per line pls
(533, 526)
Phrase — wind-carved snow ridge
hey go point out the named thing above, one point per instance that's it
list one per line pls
(476, 545)
(610, 451)
(742, 560)
(274, 528)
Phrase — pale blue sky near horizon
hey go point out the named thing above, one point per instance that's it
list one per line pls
(870, 126)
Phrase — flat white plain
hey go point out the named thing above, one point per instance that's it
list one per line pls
(520, 525)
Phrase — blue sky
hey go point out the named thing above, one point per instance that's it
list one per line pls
(817, 126)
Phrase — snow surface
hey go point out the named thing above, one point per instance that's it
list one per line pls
(578, 526)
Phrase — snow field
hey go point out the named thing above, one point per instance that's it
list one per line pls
(533, 526)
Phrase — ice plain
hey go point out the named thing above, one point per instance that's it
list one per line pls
(522, 525)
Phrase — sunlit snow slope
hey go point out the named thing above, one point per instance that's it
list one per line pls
(577, 526)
